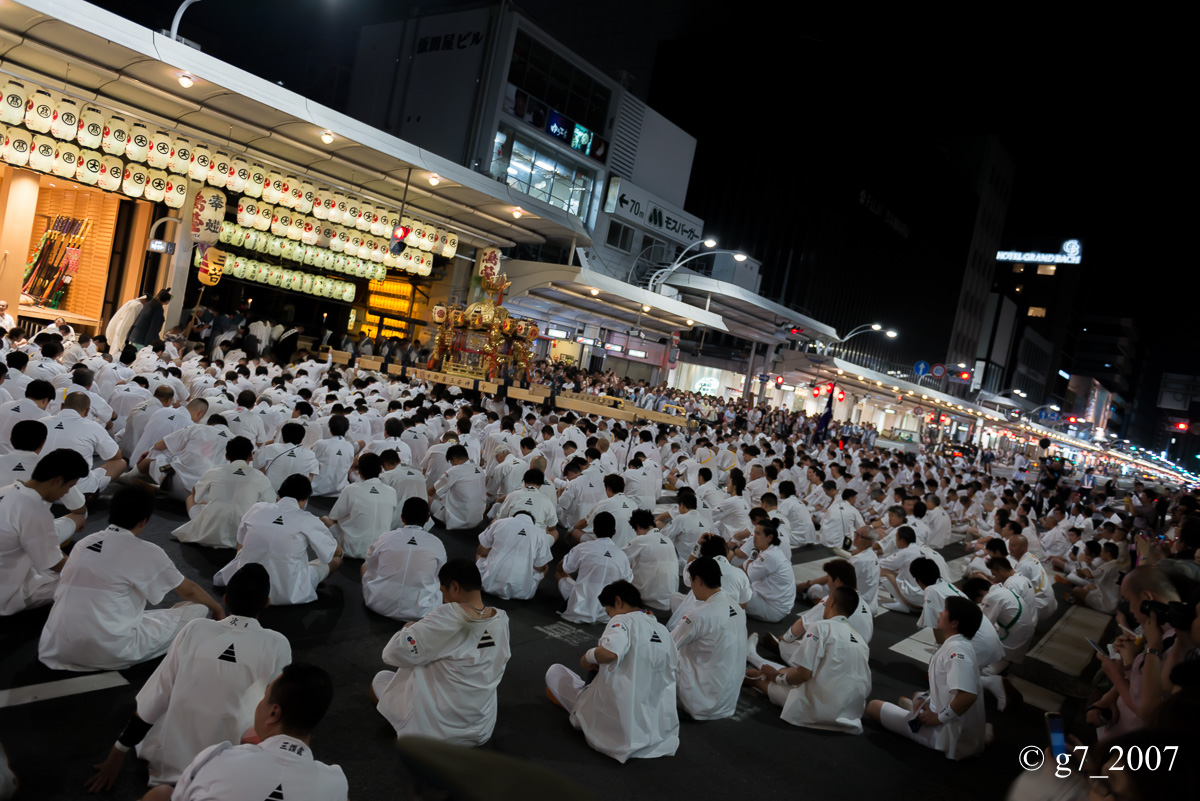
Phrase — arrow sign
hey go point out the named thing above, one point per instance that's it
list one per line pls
(624, 201)
(938, 371)
(921, 368)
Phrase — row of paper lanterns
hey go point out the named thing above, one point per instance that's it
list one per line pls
(70, 151)
(363, 257)
(249, 269)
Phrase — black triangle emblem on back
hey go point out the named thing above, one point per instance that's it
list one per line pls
(412, 540)
(292, 453)
(276, 794)
(486, 641)
(732, 612)
(521, 533)
(18, 468)
(96, 546)
(59, 427)
(608, 555)
(654, 638)
(228, 655)
(170, 417)
(278, 521)
(373, 491)
(239, 472)
(339, 453)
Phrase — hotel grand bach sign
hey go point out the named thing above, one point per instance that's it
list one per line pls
(1071, 252)
(648, 211)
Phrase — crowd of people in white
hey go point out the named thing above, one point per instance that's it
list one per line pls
(699, 524)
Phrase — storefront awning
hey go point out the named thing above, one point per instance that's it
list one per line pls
(576, 296)
(747, 315)
(91, 54)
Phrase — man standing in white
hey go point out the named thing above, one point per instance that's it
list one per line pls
(711, 639)
(458, 497)
(597, 564)
(205, 689)
(828, 686)
(399, 577)
(513, 556)
(281, 765)
(99, 620)
(222, 497)
(278, 536)
(363, 510)
(450, 665)
(629, 708)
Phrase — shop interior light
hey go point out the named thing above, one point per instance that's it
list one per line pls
(435, 179)
(186, 80)
(645, 308)
(517, 212)
(594, 292)
(961, 365)
(690, 322)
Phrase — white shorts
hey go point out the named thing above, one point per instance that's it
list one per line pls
(565, 685)
(895, 719)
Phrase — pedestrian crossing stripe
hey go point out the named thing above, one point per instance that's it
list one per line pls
(96, 546)
(654, 638)
(732, 612)
(412, 541)
(228, 655)
(278, 521)
(486, 641)
(373, 491)
(239, 472)
(276, 794)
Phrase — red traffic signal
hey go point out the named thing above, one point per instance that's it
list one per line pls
(795, 329)
(779, 381)
(1181, 426)
(965, 375)
(399, 233)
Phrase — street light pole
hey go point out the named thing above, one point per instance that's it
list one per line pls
(178, 16)
(662, 275)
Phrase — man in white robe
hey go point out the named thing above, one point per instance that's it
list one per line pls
(653, 560)
(222, 497)
(513, 556)
(450, 664)
(363, 510)
(289, 457)
(711, 639)
(399, 576)
(596, 564)
(458, 497)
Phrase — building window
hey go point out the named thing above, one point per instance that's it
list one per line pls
(553, 80)
(619, 236)
(540, 174)
(1046, 269)
(1018, 268)
(1018, 287)
(1037, 311)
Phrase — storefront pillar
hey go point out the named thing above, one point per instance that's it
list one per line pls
(181, 262)
(18, 204)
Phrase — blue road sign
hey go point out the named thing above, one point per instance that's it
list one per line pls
(1046, 414)
(920, 369)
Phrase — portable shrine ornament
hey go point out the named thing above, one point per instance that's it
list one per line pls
(201, 159)
(12, 109)
(134, 183)
(91, 128)
(66, 159)
(87, 170)
(17, 145)
(39, 111)
(112, 172)
(138, 145)
(159, 154)
(64, 122)
(208, 211)
(256, 180)
(116, 134)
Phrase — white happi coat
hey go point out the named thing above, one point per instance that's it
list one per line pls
(206, 689)
(223, 496)
(711, 639)
(278, 537)
(836, 695)
(363, 511)
(629, 709)
(401, 580)
(450, 665)
(518, 545)
(460, 496)
(655, 568)
(599, 563)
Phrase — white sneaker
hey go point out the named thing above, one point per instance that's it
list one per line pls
(752, 657)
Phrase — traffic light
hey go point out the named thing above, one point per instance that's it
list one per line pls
(795, 329)
(1072, 420)
(399, 232)
(965, 375)
(779, 381)
(1181, 426)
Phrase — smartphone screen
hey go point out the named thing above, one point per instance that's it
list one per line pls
(1058, 737)
(1096, 645)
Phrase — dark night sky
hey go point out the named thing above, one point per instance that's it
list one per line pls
(1090, 107)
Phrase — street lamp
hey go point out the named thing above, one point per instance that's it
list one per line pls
(862, 329)
(663, 274)
(178, 16)
(708, 243)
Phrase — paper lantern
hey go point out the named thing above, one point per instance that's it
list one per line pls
(318, 287)
(41, 158)
(439, 240)
(208, 212)
(87, 171)
(239, 174)
(320, 207)
(431, 238)
(324, 259)
(156, 186)
(404, 260)
(64, 121)
(306, 283)
(337, 209)
(218, 170)
(416, 233)
(366, 212)
(275, 246)
(310, 255)
(425, 269)
(91, 128)
(274, 275)
(134, 183)
(284, 187)
(288, 249)
(116, 135)
(271, 187)
(239, 266)
(296, 190)
(250, 242)
(66, 158)
(226, 229)
(177, 192)
(389, 260)
(353, 243)
(266, 213)
(39, 112)
(378, 248)
(311, 231)
(262, 271)
(258, 177)
(325, 235)
(327, 287)
(295, 281)
(201, 159)
(348, 292)
(17, 144)
(138, 145)
(339, 263)
(360, 268)
(451, 246)
(181, 156)
(380, 225)
(212, 264)
(281, 221)
(247, 211)
(339, 244)
(112, 171)
(295, 231)
(12, 109)
(159, 154)
(237, 236)
(308, 194)
(353, 210)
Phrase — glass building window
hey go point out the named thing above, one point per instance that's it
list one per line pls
(619, 236)
(540, 173)
(553, 80)
(1037, 311)
(1046, 269)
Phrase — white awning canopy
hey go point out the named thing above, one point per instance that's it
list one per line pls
(93, 55)
(748, 315)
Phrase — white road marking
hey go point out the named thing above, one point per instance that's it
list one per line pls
(58, 689)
